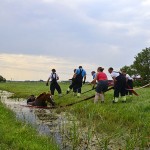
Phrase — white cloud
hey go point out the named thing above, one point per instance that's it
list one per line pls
(48, 1)
(145, 3)
(93, 32)
(27, 67)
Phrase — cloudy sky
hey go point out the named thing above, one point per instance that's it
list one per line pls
(38, 35)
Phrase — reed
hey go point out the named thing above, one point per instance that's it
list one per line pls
(114, 126)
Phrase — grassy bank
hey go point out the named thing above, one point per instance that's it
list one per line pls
(125, 125)
(15, 135)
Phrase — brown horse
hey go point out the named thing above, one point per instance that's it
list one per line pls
(42, 100)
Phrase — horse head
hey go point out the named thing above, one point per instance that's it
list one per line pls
(49, 99)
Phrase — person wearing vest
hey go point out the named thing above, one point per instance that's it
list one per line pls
(102, 84)
(129, 83)
(119, 85)
(79, 77)
(53, 83)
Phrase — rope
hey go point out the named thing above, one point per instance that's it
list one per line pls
(80, 101)
(139, 87)
(84, 99)
(88, 91)
(54, 107)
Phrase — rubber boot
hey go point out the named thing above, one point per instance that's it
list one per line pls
(123, 99)
(78, 94)
(115, 100)
(102, 98)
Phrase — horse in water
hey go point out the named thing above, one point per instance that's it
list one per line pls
(41, 100)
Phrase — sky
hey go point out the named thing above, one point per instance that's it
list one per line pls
(39, 35)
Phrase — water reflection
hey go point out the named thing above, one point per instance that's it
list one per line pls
(46, 121)
(63, 128)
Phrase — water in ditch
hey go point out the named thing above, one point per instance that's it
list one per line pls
(62, 127)
(46, 121)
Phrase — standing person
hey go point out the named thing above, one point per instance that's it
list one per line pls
(93, 73)
(119, 85)
(79, 77)
(129, 82)
(102, 84)
(53, 83)
(72, 83)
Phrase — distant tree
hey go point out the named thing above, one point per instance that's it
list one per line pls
(130, 70)
(141, 64)
(2, 79)
(140, 67)
(133, 73)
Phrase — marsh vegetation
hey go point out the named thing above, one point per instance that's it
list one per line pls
(94, 126)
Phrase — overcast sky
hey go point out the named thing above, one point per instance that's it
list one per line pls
(38, 35)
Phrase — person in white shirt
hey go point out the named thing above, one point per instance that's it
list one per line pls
(119, 85)
(53, 83)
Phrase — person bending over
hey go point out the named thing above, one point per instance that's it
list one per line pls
(119, 85)
(102, 84)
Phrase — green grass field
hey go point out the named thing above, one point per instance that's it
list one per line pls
(15, 135)
(126, 125)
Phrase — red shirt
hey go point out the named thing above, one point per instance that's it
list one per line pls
(101, 76)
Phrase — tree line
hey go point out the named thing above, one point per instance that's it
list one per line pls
(2, 79)
(140, 67)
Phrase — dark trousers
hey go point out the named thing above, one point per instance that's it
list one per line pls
(129, 86)
(53, 86)
(72, 85)
(120, 86)
(102, 86)
(77, 86)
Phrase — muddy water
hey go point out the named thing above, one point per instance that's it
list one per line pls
(46, 121)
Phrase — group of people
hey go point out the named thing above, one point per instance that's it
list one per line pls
(122, 82)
